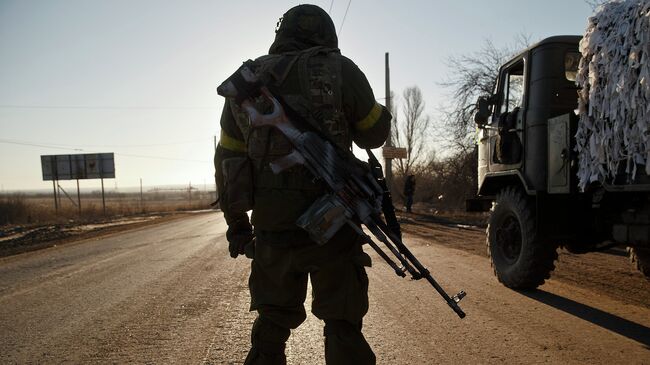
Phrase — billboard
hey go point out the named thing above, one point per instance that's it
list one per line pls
(393, 152)
(82, 166)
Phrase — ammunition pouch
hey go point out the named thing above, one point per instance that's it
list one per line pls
(323, 218)
(238, 181)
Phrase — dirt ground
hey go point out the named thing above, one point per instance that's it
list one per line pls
(170, 293)
(608, 273)
(16, 239)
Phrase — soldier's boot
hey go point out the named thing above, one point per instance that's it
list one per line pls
(267, 343)
(345, 344)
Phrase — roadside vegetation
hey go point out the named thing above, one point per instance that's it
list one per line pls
(442, 151)
(35, 209)
(30, 221)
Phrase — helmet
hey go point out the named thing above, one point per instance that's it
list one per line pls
(303, 27)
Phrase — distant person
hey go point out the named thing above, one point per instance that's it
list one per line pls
(409, 190)
(318, 81)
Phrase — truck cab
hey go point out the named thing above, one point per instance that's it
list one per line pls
(527, 170)
(533, 87)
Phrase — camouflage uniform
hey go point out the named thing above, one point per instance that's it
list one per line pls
(333, 95)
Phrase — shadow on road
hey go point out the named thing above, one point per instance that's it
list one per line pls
(422, 219)
(622, 326)
(617, 251)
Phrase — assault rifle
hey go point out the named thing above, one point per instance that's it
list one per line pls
(354, 193)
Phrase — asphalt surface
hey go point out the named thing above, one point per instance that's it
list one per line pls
(169, 293)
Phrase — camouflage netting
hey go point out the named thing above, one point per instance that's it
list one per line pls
(614, 73)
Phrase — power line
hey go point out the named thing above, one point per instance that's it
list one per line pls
(107, 107)
(143, 145)
(344, 16)
(24, 143)
(163, 158)
(39, 145)
(106, 145)
(330, 11)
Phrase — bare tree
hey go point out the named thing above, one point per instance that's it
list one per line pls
(411, 132)
(472, 75)
(449, 181)
(451, 178)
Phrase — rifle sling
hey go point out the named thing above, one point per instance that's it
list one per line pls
(387, 206)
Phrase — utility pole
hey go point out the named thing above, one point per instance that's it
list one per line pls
(389, 142)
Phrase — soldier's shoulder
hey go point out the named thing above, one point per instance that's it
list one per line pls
(344, 59)
(348, 66)
(267, 58)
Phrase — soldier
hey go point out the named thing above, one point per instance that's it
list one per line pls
(333, 96)
(409, 190)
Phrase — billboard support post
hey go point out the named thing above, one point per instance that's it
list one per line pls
(78, 197)
(56, 203)
(103, 199)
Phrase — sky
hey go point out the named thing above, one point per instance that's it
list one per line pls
(138, 77)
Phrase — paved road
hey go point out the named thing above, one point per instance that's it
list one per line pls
(170, 294)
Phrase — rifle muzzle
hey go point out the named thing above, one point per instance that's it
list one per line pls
(242, 84)
(227, 89)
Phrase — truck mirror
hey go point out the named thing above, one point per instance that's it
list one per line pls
(482, 111)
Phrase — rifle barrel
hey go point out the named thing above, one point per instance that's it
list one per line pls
(423, 271)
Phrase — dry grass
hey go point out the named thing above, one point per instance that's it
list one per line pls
(20, 209)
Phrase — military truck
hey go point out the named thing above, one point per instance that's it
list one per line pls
(527, 166)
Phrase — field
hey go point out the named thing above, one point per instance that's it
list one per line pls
(29, 209)
(31, 221)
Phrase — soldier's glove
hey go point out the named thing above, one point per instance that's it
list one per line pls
(249, 249)
(242, 244)
(240, 238)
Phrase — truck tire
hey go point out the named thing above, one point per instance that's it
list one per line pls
(640, 258)
(520, 259)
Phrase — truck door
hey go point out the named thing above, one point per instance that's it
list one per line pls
(506, 144)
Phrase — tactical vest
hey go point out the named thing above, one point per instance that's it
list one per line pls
(310, 83)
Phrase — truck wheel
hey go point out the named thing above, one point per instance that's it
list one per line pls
(640, 258)
(520, 259)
